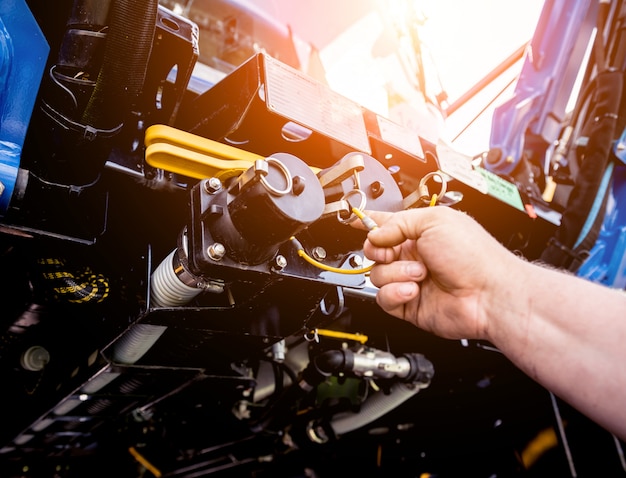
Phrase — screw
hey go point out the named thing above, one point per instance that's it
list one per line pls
(216, 251)
(319, 253)
(212, 185)
(280, 262)
(355, 261)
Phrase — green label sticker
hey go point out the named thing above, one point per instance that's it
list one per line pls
(502, 189)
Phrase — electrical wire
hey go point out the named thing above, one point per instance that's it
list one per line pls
(320, 265)
(367, 221)
(145, 463)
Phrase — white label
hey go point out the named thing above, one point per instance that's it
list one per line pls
(459, 166)
(399, 136)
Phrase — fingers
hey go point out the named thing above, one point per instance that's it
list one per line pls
(381, 255)
(397, 227)
(383, 244)
(381, 217)
(395, 298)
(400, 271)
(398, 285)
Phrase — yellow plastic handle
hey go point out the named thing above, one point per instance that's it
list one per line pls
(191, 155)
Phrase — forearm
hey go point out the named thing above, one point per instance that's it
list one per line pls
(569, 335)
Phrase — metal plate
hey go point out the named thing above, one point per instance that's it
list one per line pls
(314, 105)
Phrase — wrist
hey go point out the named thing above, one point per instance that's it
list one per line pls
(507, 305)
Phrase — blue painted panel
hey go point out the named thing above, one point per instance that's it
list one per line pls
(548, 74)
(607, 259)
(23, 55)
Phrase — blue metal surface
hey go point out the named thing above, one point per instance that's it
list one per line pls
(607, 259)
(620, 148)
(548, 74)
(23, 55)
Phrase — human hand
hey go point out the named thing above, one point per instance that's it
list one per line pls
(438, 269)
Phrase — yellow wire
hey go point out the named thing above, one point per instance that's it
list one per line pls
(302, 253)
(433, 200)
(365, 219)
(146, 464)
(360, 214)
(321, 265)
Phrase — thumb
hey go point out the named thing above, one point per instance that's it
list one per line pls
(395, 228)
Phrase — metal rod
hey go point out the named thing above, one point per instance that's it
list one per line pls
(487, 79)
(562, 436)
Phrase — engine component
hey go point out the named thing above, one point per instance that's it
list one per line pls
(84, 102)
(273, 199)
(363, 362)
(371, 363)
(320, 128)
(264, 207)
(239, 226)
(184, 294)
(92, 110)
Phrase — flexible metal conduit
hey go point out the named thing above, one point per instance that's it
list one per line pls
(128, 47)
(136, 342)
(167, 290)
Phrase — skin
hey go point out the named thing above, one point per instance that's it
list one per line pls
(438, 269)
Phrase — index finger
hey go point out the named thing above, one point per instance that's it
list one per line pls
(379, 217)
(407, 224)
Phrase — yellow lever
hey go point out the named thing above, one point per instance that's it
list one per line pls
(194, 156)
(342, 335)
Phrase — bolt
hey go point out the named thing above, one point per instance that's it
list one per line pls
(298, 185)
(377, 188)
(493, 156)
(355, 261)
(216, 251)
(319, 253)
(280, 262)
(212, 185)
